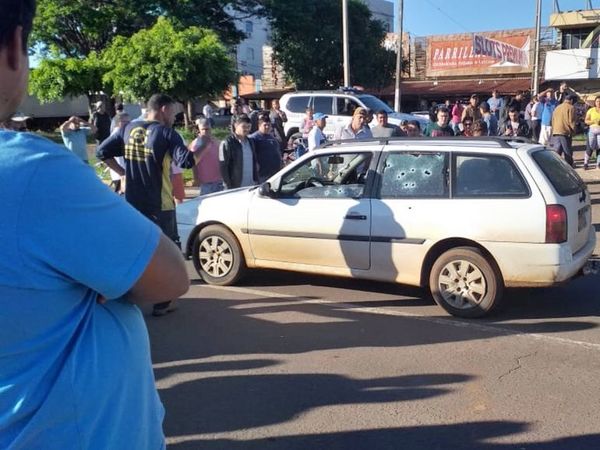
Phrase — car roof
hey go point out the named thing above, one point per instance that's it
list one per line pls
(328, 92)
(504, 144)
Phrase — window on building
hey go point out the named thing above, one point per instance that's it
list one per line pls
(574, 38)
(249, 27)
(250, 54)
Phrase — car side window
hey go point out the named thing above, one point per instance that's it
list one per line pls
(414, 175)
(323, 104)
(298, 104)
(335, 175)
(346, 106)
(487, 176)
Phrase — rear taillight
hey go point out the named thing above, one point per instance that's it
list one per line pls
(556, 224)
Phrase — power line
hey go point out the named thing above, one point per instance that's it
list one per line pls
(448, 16)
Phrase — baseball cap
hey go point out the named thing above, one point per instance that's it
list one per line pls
(319, 116)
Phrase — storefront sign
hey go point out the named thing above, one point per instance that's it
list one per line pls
(501, 51)
(454, 55)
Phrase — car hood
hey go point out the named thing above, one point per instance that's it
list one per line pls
(187, 212)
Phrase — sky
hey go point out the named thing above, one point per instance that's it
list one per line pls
(427, 17)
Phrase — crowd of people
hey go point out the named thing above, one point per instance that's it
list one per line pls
(550, 117)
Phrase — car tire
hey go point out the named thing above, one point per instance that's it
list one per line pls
(465, 283)
(217, 256)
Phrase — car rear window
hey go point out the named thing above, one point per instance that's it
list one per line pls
(562, 176)
(487, 176)
(298, 104)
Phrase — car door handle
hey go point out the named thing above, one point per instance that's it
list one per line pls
(354, 216)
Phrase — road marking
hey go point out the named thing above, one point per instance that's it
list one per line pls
(450, 321)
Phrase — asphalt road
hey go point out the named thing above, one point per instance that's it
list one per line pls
(288, 361)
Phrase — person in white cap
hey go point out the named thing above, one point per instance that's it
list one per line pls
(316, 136)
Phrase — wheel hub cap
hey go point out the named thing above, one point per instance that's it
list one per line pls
(462, 284)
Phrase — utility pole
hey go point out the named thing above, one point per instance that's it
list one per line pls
(345, 43)
(589, 4)
(536, 51)
(397, 91)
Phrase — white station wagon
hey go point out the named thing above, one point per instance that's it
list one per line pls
(465, 217)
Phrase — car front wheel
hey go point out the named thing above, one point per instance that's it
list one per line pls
(465, 283)
(217, 256)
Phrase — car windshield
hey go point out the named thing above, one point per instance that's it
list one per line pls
(374, 104)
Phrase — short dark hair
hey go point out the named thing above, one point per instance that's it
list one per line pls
(484, 106)
(513, 110)
(14, 13)
(264, 118)
(443, 109)
(157, 101)
(242, 118)
(414, 123)
(383, 112)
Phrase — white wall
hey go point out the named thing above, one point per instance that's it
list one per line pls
(574, 64)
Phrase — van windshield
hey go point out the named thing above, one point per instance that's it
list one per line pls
(562, 176)
(375, 104)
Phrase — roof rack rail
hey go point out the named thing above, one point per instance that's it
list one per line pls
(502, 141)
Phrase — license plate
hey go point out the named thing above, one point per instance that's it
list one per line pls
(582, 218)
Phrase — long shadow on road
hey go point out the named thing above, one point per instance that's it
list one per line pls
(230, 403)
(473, 435)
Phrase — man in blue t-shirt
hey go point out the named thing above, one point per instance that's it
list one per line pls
(75, 368)
(75, 132)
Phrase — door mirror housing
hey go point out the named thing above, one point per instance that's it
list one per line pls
(265, 190)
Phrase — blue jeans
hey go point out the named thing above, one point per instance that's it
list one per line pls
(209, 188)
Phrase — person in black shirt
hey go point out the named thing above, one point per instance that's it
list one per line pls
(101, 120)
(148, 147)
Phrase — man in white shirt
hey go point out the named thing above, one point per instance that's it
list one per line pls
(316, 136)
(207, 112)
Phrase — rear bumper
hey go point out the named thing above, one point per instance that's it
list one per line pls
(541, 264)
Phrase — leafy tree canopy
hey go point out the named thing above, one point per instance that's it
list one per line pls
(57, 78)
(74, 28)
(184, 64)
(311, 53)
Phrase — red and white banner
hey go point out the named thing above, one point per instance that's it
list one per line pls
(501, 51)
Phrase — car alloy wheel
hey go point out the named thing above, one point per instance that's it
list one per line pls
(462, 284)
(465, 282)
(217, 256)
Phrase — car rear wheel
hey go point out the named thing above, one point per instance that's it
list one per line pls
(465, 283)
(217, 256)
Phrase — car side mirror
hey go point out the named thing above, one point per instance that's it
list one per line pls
(265, 190)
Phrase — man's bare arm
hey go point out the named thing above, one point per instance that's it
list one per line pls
(165, 277)
(114, 165)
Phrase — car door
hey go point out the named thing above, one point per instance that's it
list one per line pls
(412, 190)
(319, 215)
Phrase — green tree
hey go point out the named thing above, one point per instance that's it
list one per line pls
(57, 78)
(69, 34)
(311, 53)
(74, 28)
(184, 64)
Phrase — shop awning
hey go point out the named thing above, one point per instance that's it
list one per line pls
(461, 88)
